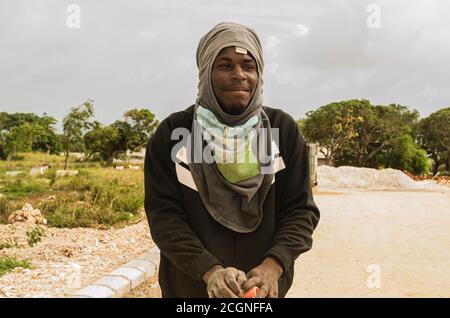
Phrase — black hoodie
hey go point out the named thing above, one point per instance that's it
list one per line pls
(191, 241)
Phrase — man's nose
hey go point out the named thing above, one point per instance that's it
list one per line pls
(238, 74)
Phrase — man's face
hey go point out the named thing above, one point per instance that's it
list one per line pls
(234, 78)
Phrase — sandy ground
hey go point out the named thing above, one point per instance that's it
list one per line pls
(398, 241)
(68, 259)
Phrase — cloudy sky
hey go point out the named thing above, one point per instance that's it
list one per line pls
(140, 53)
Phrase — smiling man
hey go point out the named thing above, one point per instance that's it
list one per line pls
(234, 79)
(240, 219)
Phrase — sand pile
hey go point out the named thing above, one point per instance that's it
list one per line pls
(367, 178)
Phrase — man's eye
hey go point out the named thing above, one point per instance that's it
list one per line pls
(226, 65)
(249, 67)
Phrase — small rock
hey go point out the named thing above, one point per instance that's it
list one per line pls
(67, 252)
(36, 276)
(75, 266)
(104, 240)
(18, 270)
(27, 214)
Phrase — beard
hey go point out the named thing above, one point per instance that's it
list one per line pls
(234, 109)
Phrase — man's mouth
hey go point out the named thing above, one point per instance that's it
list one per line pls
(236, 89)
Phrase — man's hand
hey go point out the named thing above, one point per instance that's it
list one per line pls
(224, 282)
(265, 276)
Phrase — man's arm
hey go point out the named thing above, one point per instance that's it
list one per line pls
(166, 216)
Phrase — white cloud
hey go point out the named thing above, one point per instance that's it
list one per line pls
(271, 46)
(300, 30)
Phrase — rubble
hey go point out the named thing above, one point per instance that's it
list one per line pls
(368, 178)
(68, 258)
(62, 173)
(38, 170)
(27, 214)
(67, 251)
(13, 173)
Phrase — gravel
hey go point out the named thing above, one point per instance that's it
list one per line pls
(367, 178)
(68, 259)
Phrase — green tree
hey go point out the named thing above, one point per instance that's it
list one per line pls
(434, 136)
(355, 132)
(143, 124)
(132, 134)
(19, 139)
(75, 124)
(104, 140)
(380, 128)
(47, 140)
(331, 126)
(405, 154)
(44, 134)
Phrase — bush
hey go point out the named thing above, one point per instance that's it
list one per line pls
(49, 174)
(5, 210)
(404, 154)
(73, 214)
(35, 235)
(90, 200)
(8, 243)
(420, 163)
(66, 215)
(8, 263)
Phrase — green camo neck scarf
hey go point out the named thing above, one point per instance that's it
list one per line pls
(232, 146)
(233, 198)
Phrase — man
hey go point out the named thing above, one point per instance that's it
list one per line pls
(225, 226)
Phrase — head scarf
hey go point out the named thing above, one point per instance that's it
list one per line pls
(237, 206)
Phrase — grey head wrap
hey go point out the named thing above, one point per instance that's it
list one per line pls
(237, 206)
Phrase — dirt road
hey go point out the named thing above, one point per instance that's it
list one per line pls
(398, 241)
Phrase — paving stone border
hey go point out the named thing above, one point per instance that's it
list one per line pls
(122, 280)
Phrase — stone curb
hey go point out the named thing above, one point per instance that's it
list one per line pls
(122, 280)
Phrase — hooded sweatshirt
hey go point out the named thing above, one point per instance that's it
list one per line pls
(191, 241)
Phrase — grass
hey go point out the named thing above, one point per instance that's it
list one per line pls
(8, 263)
(26, 161)
(7, 244)
(97, 197)
(24, 186)
(6, 208)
